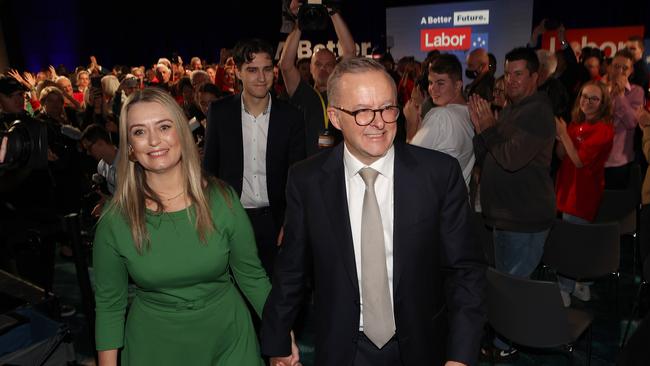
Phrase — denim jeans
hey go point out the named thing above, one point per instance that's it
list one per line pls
(517, 254)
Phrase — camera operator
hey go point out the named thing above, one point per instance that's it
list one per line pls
(26, 189)
(313, 100)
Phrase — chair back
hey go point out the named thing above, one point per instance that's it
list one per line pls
(621, 205)
(527, 312)
(583, 251)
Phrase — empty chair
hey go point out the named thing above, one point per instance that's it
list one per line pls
(530, 313)
(622, 206)
(645, 280)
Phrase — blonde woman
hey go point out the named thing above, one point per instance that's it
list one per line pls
(178, 235)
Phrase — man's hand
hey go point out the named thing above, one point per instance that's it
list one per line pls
(94, 66)
(561, 31)
(560, 127)
(52, 72)
(618, 85)
(294, 7)
(480, 113)
(538, 30)
(643, 116)
(280, 236)
(292, 360)
(16, 75)
(3, 149)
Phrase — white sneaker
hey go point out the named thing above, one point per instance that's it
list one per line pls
(566, 298)
(582, 291)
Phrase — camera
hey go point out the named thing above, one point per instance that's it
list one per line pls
(314, 14)
(26, 145)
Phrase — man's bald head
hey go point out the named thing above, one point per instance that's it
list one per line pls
(478, 60)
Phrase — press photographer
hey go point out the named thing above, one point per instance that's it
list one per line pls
(312, 16)
(40, 181)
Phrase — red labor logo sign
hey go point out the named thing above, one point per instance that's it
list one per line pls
(445, 39)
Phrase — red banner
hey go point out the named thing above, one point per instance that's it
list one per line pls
(609, 40)
(446, 39)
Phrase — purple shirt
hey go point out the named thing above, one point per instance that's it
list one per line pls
(624, 119)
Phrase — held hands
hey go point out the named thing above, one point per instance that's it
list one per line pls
(292, 360)
(480, 113)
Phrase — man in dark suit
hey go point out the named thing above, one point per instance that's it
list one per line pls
(251, 141)
(398, 276)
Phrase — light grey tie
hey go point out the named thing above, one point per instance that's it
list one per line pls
(378, 321)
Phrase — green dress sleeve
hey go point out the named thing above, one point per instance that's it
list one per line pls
(244, 261)
(111, 286)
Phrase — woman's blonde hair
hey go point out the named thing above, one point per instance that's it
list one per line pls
(132, 189)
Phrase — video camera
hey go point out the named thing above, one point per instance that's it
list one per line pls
(26, 145)
(314, 14)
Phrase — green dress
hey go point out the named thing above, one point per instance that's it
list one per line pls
(187, 309)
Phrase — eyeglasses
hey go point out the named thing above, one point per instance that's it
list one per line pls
(592, 99)
(365, 116)
(620, 67)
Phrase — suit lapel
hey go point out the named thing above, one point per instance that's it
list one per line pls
(271, 144)
(334, 196)
(404, 213)
(237, 141)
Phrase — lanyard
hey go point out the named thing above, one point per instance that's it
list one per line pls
(322, 103)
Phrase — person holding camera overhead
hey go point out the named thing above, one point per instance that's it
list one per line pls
(312, 100)
(185, 240)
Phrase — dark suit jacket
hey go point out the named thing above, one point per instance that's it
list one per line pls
(224, 150)
(438, 266)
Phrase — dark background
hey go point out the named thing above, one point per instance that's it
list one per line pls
(43, 32)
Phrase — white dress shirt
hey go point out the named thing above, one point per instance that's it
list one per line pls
(255, 131)
(355, 188)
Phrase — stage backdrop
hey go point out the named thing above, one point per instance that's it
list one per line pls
(458, 28)
(608, 39)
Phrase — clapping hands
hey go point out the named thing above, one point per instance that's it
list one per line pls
(480, 113)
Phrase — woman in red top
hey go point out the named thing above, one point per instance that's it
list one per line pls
(583, 146)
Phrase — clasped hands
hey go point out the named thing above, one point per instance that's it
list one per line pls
(291, 360)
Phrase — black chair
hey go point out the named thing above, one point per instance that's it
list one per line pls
(637, 302)
(531, 313)
(584, 251)
(622, 206)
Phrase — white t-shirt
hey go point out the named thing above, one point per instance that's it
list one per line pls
(449, 130)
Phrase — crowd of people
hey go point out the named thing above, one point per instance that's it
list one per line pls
(354, 178)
